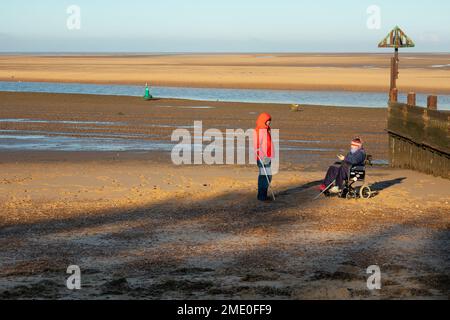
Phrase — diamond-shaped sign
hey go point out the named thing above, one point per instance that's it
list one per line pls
(396, 39)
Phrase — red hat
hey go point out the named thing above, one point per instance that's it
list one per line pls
(357, 142)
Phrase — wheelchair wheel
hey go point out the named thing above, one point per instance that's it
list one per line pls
(351, 194)
(365, 192)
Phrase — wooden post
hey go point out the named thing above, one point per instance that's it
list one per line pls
(397, 63)
(393, 97)
(393, 78)
(411, 99)
(394, 69)
(395, 39)
(432, 102)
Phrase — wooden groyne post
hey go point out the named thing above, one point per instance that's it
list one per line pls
(395, 39)
(419, 138)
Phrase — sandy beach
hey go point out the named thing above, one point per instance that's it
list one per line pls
(425, 73)
(142, 228)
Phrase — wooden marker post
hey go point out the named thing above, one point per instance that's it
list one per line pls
(393, 97)
(395, 39)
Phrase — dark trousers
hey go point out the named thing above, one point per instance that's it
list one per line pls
(338, 173)
(263, 184)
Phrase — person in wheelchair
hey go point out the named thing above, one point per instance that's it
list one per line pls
(338, 173)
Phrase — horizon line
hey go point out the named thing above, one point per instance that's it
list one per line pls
(206, 52)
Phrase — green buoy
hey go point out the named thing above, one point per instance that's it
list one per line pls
(147, 95)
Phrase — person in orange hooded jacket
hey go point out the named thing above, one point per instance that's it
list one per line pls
(264, 150)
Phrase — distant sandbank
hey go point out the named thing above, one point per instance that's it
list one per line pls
(425, 73)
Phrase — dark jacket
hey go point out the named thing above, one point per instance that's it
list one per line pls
(355, 159)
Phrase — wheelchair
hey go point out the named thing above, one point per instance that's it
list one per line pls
(355, 186)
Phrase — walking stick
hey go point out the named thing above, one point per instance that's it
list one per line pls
(267, 176)
(326, 189)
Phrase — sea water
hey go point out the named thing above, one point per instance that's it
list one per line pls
(330, 98)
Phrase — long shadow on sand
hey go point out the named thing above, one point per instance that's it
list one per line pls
(176, 264)
(195, 210)
(383, 185)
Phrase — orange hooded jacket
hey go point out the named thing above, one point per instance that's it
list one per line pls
(262, 137)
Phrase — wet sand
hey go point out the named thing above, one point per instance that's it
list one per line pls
(141, 228)
(319, 132)
(426, 73)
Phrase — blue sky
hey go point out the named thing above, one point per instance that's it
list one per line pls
(219, 26)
